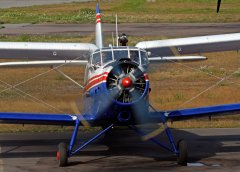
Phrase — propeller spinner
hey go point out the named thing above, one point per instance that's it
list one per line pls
(126, 82)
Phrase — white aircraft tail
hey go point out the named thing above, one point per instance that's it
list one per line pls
(99, 37)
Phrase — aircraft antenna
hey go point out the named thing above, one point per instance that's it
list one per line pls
(116, 30)
(113, 39)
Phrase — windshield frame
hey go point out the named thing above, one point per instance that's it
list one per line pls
(114, 49)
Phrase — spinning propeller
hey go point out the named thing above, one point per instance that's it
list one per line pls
(126, 82)
(75, 109)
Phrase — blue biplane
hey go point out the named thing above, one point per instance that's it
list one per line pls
(116, 86)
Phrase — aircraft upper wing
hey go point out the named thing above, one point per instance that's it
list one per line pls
(183, 114)
(191, 45)
(46, 51)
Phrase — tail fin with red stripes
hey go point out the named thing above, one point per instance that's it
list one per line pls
(99, 37)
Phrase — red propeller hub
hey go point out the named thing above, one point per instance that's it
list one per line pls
(126, 82)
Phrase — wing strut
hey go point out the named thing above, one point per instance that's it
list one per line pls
(69, 78)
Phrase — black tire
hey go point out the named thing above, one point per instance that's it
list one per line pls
(62, 155)
(183, 153)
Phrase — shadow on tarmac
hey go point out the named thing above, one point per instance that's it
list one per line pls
(122, 142)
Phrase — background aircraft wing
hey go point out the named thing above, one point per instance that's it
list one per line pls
(38, 118)
(46, 51)
(183, 114)
(191, 45)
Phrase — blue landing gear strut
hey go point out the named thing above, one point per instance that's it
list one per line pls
(65, 152)
(180, 150)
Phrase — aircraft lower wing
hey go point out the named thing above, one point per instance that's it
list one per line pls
(49, 63)
(183, 114)
(191, 45)
(46, 51)
(174, 58)
(38, 118)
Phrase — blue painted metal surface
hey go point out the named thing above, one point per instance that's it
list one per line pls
(201, 111)
(37, 117)
(97, 8)
(73, 139)
(171, 139)
(41, 118)
(182, 114)
(91, 140)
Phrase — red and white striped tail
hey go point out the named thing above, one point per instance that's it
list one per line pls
(99, 37)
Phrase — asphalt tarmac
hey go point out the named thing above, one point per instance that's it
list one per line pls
(209, 150)
(132, 29)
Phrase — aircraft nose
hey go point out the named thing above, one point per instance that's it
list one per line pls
(126, 82)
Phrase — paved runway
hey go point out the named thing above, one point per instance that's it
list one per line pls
(133, 29)
(210, 150)
(23, 3)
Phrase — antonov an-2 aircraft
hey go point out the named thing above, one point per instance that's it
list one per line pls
(116, 86)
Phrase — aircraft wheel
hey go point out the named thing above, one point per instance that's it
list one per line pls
(62, 155)
(183, 154)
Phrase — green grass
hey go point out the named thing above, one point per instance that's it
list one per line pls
(129, 11)
(46, 38)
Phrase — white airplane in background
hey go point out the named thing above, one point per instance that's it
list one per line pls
(116, 86)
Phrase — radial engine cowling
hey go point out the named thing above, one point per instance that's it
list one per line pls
(126, 82)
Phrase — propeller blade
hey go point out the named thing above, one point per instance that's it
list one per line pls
(218, 5)
(106, 103)
(117, 71)
(153, 134)
(77, 112)
(115, 92)
(136, 74)
(137, 107)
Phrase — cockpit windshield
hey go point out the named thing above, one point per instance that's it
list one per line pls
(144, 57)
(134, 56)
(96, 59)
(120, 54)
(106, 55)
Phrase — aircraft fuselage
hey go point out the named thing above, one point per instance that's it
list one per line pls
(117, 85)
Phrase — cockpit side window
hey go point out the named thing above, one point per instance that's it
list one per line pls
(119, 54)
(96, 59)
(134, 56)
(144, 58)
(106, 56)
